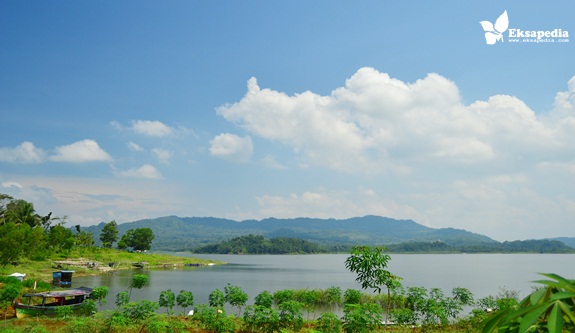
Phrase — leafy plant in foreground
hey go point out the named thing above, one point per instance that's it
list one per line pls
(548, 309)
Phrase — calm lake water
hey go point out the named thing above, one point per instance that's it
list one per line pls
(482, 274)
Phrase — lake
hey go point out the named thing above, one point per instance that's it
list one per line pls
(482, 274)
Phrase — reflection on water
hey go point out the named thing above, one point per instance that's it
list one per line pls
(483, 274)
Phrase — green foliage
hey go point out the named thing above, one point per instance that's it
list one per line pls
(214, 319)
(351, 296)
(264, 299)
(83, 325)
(333, 295)
(370, 265)
(257, 244)
(217, 299)
(9, 293)
(290, 315)
(122, 298)
(284, 295)
(361, 318)
(64, 311)
(328, 323)
(137, 239)
(548, 309)
(261, 319)
(309, 299)
(432, 308)
(139, 310)
(167, 300)
(235, 296)
(109, 234)
(185, 299)
(138, 281)
(88, 307)
(99, 294)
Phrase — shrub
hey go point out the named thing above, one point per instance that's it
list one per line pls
(352, 296)
(362, 318)
(263, 319)
(217, 299)
(328, 323)
(167, 300)
(290, 315)
(264, 299)
(285, 295)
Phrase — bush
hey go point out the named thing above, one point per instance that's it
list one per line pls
(362, 318)
(352, 296)
(263, 319)
(139, 310)
(328, 323)
(214, 319)
(290, 315)
(285, 295)
(264, 299)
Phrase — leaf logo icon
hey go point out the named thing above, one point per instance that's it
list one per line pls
(493, 33)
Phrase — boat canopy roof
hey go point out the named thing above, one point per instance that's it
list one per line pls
(62, 293)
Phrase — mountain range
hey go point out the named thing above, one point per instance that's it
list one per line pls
(174, 233)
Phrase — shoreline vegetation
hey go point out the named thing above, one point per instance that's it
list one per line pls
(258, 244)
(95, 260)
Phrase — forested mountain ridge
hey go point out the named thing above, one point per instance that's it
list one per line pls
(184, 233)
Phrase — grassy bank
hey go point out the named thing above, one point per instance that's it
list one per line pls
(94, 260)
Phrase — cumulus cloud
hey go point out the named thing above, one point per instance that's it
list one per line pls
(25, 153)
(376, 123)
(232, 147)
(145, 171)
(80, 152)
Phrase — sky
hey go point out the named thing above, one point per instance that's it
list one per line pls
(126, 110)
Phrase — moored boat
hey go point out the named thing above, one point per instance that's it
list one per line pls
(46, 303)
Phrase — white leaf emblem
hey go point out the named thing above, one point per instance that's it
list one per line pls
(493, 33)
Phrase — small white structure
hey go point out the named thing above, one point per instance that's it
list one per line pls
(19, 276)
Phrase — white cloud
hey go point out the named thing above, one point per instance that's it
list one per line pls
(80, 152)
(163, 155)
(9, 184)
(145, 171)
(134, 146)
(232, 147)
(377, 123)
(321, 203)
(25, 153)
(151, 128)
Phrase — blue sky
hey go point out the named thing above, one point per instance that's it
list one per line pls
(123, 110)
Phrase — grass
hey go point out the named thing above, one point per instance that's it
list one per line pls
(42, 269)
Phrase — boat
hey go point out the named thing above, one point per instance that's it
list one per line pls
(46, 303)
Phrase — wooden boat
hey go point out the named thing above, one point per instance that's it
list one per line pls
(46, 303)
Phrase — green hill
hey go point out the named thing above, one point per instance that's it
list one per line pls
(184, 233)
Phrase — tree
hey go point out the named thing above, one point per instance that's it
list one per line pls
(185, 299)
(217, 299)
(138, 281)
(370, 266)
(138, 239)
(109, 234)
(235, 296)
(167, 300)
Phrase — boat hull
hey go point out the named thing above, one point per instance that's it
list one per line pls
(24, 311)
